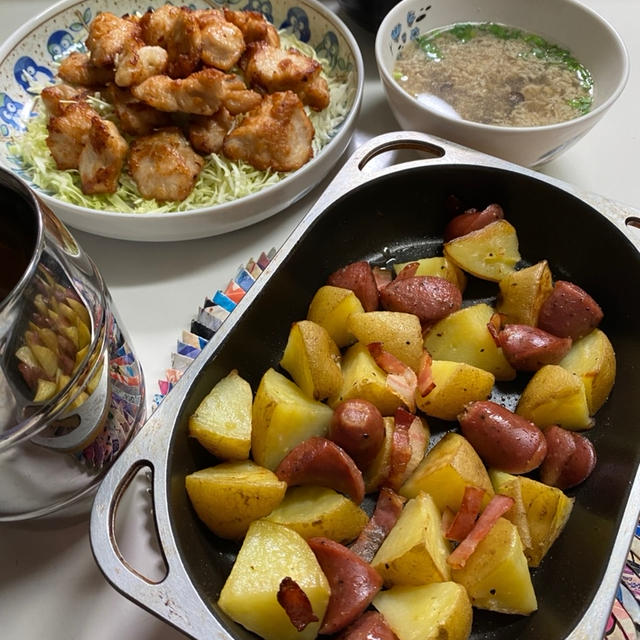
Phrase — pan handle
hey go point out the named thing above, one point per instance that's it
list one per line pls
(173, 598)
(357, 169)
(356, 172)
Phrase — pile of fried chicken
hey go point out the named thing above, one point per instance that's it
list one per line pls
(168, 75)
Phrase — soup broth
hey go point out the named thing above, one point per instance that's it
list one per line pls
(494, 74)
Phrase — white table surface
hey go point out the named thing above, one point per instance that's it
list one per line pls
(50, 587)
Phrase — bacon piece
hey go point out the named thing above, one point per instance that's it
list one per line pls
(408, 271)
(382, 277)
(385, 515)
(498, 506)
(425, 374)
(464, 520)
(400, 378)
(296, 604)
(400, 448)
(494, 325)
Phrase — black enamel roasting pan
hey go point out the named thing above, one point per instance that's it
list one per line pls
(380, 214)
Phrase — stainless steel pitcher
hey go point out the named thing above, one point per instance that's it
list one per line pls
(71, 389)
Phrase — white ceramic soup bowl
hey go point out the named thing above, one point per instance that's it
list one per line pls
(567, 23)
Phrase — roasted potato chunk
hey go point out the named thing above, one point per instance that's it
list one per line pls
(496, 575)
(231, 495)
(464, 337)
(249, 596)
(489, 253)
(331, 308)
(446, 470)
(312, 359)
(222, 421)
(319, 511)
(427, 612)
(415, 551)
(282, 417)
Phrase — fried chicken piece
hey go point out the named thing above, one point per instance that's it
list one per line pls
(68, 133)
(276, 135)
(202, 93)
(176, 30)
(254, 26)
(78, 69)
(222, 42)
(164, 165)
(138, 61)
(108, 35)
(206, 133)
(271, 69)
(135, 117)
(102, 157)
(58, 97)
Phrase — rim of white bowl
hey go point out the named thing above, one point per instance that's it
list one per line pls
(245, 201)
(391, 17)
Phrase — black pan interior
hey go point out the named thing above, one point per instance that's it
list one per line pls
(403, 216)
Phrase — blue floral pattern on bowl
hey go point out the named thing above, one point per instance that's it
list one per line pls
(401, 33)
(31, 61)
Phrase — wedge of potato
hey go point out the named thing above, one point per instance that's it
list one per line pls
(554, 395)
(548, 510)
(363, 378)
(456, 384)
(312, 359)
(400, 333)
(282, 417)
(320, 511)
(446, 470)
(593, 359)
(271, 552)
(437, 266)
(331, 308)
(428, 612)
(230, 496)
(496, 575)
(489, 253)
(463, 337)
(415, 551)
(522, 293)
(509, 485)
(222, 421)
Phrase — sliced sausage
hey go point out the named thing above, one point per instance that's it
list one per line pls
(530, 348)
(358, 276)
(353, 582)
(503, 439)
(428, 297)
(357, 427)
(371, 625)
(322, 462)
(570, 458)
(569, 311)
(472, 220)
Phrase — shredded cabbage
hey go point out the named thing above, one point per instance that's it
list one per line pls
(221, 180)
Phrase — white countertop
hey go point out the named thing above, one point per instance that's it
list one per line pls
(50, 587)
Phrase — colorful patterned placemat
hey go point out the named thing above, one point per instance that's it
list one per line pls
(207, 321)
(624, 620)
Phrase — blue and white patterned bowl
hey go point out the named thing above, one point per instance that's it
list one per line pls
(564, 22)
(30, 56)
